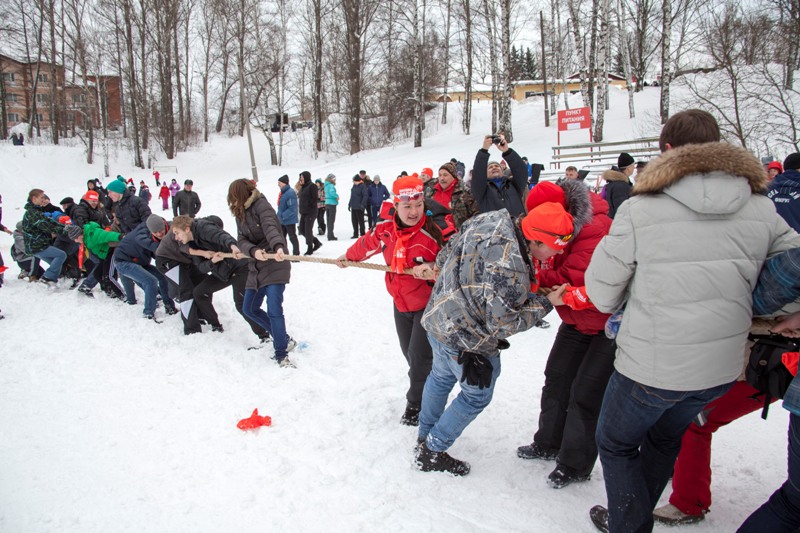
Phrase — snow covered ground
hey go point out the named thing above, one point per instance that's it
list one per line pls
(109, 422)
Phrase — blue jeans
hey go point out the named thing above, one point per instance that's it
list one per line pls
(639, 436)
(440, 427)
(273, 320)
(782, 511)
(149, 279)
(53, 257)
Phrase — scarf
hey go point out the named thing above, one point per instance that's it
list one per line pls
(402, 236)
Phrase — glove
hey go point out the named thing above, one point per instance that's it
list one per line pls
(476, 369)
(503, 344)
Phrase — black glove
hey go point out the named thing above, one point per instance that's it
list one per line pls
(503, 344)
(476, 369)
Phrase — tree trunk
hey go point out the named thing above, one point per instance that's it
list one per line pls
(316, 91)
(353, 54)
(666, 62)
(593, 77)
(508, 86)
(137, 150)
(466, 119)
(54, 107)
(600, 111)
(576, 30)
(495, 70)
(626, 62)
(446, 61)
(181, 136)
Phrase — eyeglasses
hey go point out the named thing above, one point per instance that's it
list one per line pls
(563, 238)
(409, 197)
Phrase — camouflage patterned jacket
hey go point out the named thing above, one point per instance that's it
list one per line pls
(482, 292)
(458, 200)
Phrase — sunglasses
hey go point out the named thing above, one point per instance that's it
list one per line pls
(409, 197)
(563, 238)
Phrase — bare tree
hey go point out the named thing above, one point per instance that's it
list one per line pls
(602, 70)
(448, 16)
(666, 62)
(624, 53)
(507, 84)
(574, 13)
(466, 118)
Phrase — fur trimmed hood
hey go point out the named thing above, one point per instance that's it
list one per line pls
(719, 158)
(255, 195)
(615, 175)
(579, 205)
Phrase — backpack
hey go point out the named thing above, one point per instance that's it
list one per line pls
(765, 370)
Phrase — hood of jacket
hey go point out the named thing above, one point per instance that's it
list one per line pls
(712, 178)
(614, 175)
(790, 178)
(255, 195)
(579, 204)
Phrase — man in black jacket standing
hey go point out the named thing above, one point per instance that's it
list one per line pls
(129, 209)
(491, 189)
(186, 202)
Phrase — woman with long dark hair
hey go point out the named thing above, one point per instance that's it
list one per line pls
(259, 234)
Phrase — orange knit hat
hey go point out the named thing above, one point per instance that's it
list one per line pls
(407, 188)
(550, 224)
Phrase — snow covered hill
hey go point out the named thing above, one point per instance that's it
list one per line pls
(109, 422)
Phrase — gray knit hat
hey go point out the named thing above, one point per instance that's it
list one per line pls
(155, 224)
(74, 231)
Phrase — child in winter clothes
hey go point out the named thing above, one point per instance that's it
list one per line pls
(410, 240)
(164, 194)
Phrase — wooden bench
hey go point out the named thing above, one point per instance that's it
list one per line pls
(642, 149)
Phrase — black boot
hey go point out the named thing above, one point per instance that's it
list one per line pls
(429, 461)
(534, 451)
(564, 475)
(599, 516)
(310, 251)
(411, 416)
(317, 245)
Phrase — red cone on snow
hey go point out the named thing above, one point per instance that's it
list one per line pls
(255, 421)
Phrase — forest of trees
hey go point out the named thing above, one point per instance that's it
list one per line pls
(367, 72)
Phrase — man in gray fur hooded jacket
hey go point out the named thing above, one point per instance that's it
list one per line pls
(484, 293)
(683, 255)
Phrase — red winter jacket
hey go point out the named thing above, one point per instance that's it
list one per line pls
(410, 294)
(571, 266)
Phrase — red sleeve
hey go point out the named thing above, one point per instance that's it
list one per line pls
(571, 268)
(576, 299)
(368, 245)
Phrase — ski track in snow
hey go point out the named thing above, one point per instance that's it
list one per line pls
(109, 422)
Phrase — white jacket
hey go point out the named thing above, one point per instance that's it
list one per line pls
(685, 252)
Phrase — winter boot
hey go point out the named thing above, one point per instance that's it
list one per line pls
(564, 475)
(534, 451)
(411, 416)
(85, 290)
(291, 344)
(672, 516)
(310, 251)
(599, 516)
(218, 328)
(317, 245)
(286, 363)
(429, 461)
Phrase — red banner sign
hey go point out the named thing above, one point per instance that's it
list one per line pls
(574, 119)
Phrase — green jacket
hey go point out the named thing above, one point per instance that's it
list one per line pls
(38, 229)
(96, 239)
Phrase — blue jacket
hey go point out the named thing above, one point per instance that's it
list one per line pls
(778, 283)
(331, 196)
(784, 191)
(287, 207)
(377, 194)
(138, 246)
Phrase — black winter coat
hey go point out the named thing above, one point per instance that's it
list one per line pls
(186, 203)
(260, 229)
(307, 199)
(130, 212)
(83, 214)
(511, 193)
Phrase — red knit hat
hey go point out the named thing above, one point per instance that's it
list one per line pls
(776, 164)
(545, 192)
(91, 195)
(550, 224)
(407, 188)
(427, 171)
